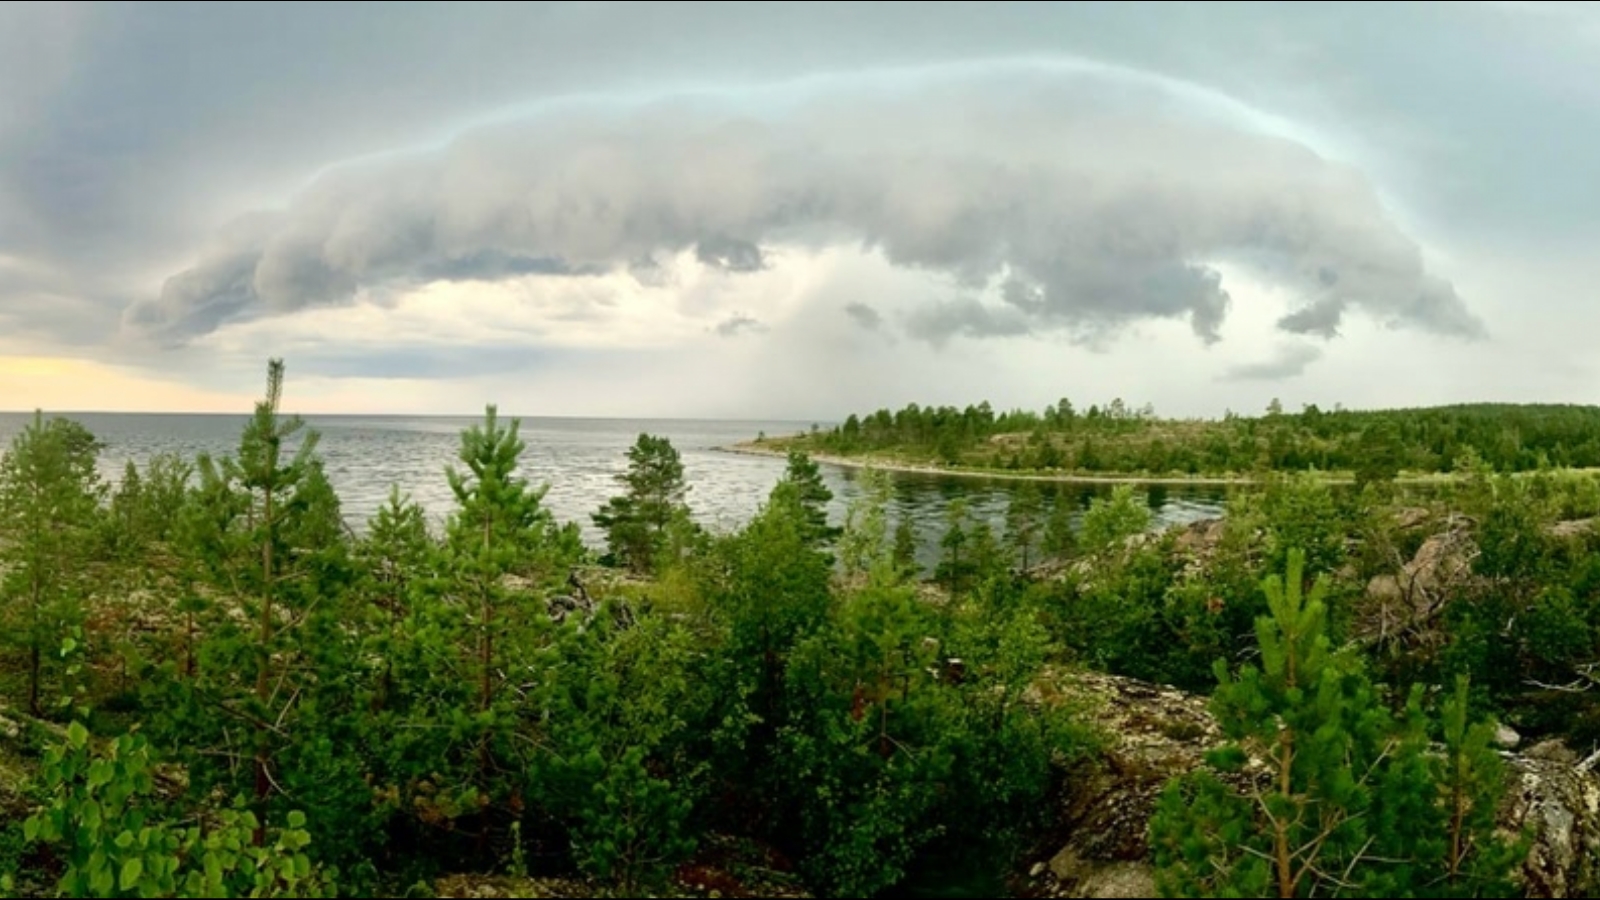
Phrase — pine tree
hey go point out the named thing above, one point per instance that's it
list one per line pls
(262, 472)
(1478, 860)
(904, 553)
(1350, 805)
(1112, 519)
(814, 496)
(864, 544)
(1025, 521)
(395, 550)
(955, 566)
(1060, 540)
(264, 529)
(774, 593)
(394, 556)
(637, 523)
(127, 525)
(499, 528)
(50, 496)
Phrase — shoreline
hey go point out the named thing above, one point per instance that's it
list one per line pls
(748, 448)
(904, 468)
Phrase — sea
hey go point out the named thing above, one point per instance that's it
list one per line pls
(580, 459)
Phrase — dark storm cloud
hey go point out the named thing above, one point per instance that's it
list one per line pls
(864, 315)
(938, 321)
(1100, 201)
(730, 254)
(128, 132)
(737, 324)
(1289, 361)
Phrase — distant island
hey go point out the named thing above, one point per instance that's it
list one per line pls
(1114, 442)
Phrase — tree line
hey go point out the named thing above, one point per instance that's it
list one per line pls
(1116, 439)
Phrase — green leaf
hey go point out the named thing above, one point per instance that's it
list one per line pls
(131, 870)
(99, 773)
(77, 735)
(297, 819)
(30, 829)
(68, 645)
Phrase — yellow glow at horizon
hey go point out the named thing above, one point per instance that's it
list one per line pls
(78, 385)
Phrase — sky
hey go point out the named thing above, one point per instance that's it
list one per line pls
(797, 210)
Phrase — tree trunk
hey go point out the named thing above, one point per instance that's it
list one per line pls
(263, 680)
(486, 688)
(33, 679)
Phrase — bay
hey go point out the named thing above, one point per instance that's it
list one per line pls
(579, 459)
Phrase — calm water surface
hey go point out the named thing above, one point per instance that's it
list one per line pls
(579, 459)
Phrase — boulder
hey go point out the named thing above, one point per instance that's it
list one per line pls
(1571, 528)
(1409, 517)
(1199, 538)
(1506, 737)
(1406, 603)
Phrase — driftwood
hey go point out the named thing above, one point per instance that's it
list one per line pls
(562, 606)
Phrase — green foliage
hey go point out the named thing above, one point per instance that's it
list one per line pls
(500, 524)
(1110, 520)
(1060, 538)
(956, 568)
(49, 500)
(1373, 446)
(105, 819)
(813, 495)
(1115, 621)
(903, 551)
(769, 591)
(638, 521)
(1300, 513)
(260, 701)
(145, 508)
(1350, 803)
(461, 700)
(864, 546)
(621, 770)
(475, 633)
(1025, 523)
(635, 825)
(969, 553)
(890, 752)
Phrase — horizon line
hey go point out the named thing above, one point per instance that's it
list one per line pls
(398, 415)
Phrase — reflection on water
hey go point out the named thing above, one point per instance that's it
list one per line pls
(925, 498)
(579, 459)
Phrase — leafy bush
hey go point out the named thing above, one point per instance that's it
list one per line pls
(106, 821)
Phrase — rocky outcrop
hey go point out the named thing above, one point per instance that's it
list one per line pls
(1571, 528)
(1558, 797)
(1156, 733)
(1406, 604)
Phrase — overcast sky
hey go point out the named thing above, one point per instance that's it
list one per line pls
(797, 210)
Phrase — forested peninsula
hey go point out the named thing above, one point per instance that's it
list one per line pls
(1117, 442)
(211, 686)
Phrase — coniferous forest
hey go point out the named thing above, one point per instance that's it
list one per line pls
(211, 686)
(1115, 439)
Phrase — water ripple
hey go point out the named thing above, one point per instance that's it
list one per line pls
(579, 459)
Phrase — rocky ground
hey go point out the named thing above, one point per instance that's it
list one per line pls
(1158, 733)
